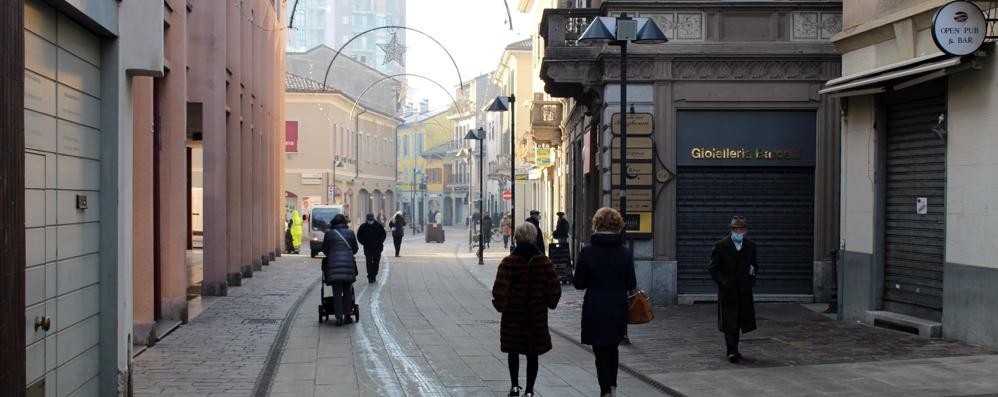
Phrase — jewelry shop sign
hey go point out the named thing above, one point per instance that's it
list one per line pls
(959, 28)
(746, 138)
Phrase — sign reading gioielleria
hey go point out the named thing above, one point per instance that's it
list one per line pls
(699, 153)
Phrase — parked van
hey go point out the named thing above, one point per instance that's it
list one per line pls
(319, 218)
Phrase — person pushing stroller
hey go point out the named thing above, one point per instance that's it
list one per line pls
(339, 267)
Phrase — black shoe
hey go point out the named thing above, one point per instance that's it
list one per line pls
(339, 321)
(370, 281)
(733, 357)
(514, 391)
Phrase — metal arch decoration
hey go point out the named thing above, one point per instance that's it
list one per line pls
(361, 96)
(339, 51)
(509, 15)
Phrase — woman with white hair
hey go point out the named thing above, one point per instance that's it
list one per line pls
(526, 287)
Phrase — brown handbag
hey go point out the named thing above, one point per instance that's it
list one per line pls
(639, 309)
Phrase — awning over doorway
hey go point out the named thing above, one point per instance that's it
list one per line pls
(898, 75)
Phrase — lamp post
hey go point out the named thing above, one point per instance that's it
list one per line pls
(619, 31)
(479, 135)
(336, 164)
(499, 106)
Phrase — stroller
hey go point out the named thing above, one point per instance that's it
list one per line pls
(327, 308)
(561, 256)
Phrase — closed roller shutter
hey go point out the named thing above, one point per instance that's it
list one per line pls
(916, 167)
(778, 203)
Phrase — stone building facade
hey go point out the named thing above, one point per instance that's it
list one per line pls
(734, 77)
(918, 143)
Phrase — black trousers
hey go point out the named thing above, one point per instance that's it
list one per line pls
(731, 342)
(397, 239)
(513, 359)
(607, 361)
(373, 262)
(341, 291)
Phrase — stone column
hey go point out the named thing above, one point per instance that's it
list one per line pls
(206, 85)
(143, 298)
(235, 269)
(171, 214)
(249, 261)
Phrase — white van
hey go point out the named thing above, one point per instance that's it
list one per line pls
(318, 221)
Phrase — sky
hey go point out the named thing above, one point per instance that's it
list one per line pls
(474, 31)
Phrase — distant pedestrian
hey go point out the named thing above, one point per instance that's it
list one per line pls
(605, 269)
(296, 222)
(505, 230)
(734, 267)
(561, 229)
(526, 287)
(372, 236)
(339, 268)
(398, 230)
(382, 219)
(487, 229)
(535, 219)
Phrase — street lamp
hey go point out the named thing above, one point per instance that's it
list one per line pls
(479, 135)
(336, 164)
(619, 31)
(499, 106)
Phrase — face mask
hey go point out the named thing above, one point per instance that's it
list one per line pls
(370, 222)
(737, 237)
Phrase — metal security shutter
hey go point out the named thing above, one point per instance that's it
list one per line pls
(778, 203)
(916, 167)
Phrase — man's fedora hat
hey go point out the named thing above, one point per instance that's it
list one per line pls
(738, 221)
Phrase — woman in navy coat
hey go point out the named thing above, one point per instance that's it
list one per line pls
(605, 269)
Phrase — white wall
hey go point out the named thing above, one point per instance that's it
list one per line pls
(972, 167)
(858, 175)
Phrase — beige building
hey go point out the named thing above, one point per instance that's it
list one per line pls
(337, 152)
(918, 172)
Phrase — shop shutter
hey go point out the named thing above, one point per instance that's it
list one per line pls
(778, 203)
(916, 167)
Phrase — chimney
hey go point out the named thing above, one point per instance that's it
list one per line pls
(408, 109)
(424, 106)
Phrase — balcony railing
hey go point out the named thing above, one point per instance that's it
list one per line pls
(561, 27)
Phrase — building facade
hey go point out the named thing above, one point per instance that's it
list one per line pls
(732, 124)
(333, 23)
(421, 131)
(335, 151)
(917, 153)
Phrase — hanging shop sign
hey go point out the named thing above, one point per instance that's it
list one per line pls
(534, 174)
(544, 157)
(959, 28)
(638, 124)
(291, 137)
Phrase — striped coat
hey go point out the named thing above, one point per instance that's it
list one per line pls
(526, 287)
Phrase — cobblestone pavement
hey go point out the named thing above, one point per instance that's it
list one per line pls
(794, 352)
(427, 329)
(223, 350)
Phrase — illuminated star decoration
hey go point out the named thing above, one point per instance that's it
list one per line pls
(394, 51)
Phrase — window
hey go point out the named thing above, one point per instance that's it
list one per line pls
(419, 144)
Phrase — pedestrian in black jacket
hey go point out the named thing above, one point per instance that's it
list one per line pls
(372, 236)
(398, 231)
(535, 219)
(487, 229)
(733, 266)
(339, 268)
(605, 269)
(561, 229)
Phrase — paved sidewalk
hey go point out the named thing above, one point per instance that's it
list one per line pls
(795, 352)
(427, 329)
(223, 350)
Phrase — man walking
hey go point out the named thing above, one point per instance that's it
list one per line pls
(561, 229)
(535, 219)
(372, 236)
(487, 229)
(734, 267)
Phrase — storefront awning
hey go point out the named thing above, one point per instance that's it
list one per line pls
(877, 80)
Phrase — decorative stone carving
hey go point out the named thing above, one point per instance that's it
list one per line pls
(580, 72)
(636, 70)
(679, 26)
(749, 70)
(813, 25)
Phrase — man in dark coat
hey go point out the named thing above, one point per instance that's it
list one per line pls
(535, 219)
(561, 229)
(372, 236)
(734, 267)
(487, 229)
(339, 268)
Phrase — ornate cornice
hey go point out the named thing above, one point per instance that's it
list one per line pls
(752, 70)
